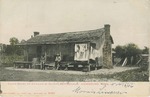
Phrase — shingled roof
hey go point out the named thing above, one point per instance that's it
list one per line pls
(69, 37)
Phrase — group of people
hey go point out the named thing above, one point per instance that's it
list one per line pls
(57, 61)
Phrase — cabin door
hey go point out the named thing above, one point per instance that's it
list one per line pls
(39, 51)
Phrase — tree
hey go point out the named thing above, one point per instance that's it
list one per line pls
(129, 51)
(13, 41)
(13, 48)
(120, 51)
(132, 51)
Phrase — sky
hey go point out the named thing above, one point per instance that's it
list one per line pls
(129, 19)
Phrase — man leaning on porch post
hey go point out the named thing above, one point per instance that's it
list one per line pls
(42, 62)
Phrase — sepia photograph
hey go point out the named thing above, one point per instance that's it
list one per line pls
(48, 40)
(74, 48)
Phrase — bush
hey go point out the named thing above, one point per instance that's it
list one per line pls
(7, 60)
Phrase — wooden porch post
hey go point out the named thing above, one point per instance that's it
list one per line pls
(89, 66)
(45, 50)
(27, 53)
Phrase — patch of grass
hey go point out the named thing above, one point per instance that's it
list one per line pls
(126, 76)
(131, 75)
(12, 75)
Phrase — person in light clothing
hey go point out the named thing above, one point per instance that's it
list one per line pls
(57, 61)
(42, 62)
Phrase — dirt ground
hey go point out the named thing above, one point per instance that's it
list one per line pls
(101, 75)
(100, 71)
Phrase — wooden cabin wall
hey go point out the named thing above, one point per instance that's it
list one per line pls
(66, 50)
(51, 51)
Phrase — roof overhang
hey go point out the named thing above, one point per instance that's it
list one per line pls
(112, 41)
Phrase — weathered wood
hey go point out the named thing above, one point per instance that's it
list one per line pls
(138, 62)
(125, 62)
(22, 63)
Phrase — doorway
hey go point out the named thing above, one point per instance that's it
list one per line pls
(39, 51)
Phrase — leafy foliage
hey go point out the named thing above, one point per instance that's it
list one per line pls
(11, 52)
(13, 41)
(120, 51)
(132, 50)
(129, 51)
(13, 48)
(7, 60)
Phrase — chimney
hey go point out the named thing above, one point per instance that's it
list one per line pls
(36, 33)
(107, 55)
(107, 31)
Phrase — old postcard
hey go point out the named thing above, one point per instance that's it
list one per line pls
(59, 48)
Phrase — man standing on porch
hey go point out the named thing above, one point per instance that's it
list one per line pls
(42, 62)
(57, 61)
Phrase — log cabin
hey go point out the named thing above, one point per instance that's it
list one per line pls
(92, 48)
